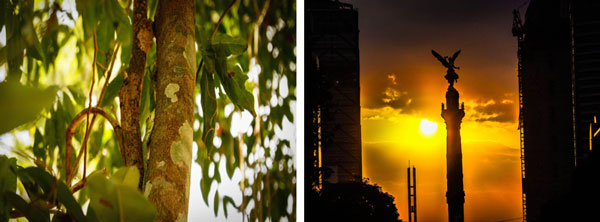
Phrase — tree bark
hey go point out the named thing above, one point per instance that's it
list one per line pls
(168, 177)
(130, 93)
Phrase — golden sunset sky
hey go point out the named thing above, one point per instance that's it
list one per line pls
(402, 83)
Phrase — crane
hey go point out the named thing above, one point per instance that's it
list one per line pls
(518, 31)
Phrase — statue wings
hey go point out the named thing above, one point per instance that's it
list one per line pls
(448, 62)
(451, 60)
(442, 59)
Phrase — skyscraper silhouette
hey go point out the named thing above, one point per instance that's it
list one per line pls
(332, 129)
(560, 81)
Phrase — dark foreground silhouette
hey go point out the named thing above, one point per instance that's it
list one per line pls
(352, 201)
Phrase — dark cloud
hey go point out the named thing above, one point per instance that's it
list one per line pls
(405, 95)
(389, 91)
(498, 110)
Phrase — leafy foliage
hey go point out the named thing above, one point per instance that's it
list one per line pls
(256, 82)
(16, 112)
(116, 199)
(245, 96)
(351, 201)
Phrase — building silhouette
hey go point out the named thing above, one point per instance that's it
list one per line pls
(585, 17)
(332, 127)
(559, 82)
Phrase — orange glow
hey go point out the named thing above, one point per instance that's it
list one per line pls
(490, 160)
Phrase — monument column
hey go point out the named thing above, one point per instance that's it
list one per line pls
(453, 115)
(455, 196)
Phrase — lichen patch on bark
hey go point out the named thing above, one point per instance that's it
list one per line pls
(170, 91)
(181, 149)
(181, 218)
(161, 182)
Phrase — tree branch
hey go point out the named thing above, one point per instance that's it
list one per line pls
(87, 124)
(71, 131)
(131, 91)
(87, 135)
(221, 19)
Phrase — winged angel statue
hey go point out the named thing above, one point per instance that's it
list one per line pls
(448, 62)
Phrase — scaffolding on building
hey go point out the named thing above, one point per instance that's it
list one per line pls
(519, 32)
(333, 86)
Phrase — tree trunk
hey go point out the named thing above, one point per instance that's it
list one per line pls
(168, 177)
(130, 92)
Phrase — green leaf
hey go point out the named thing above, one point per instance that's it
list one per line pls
(112, 90)
(125, 56)
(230, 45)
(205, 183)
(118, 200)
(116, 12)
(8, 183)
(145, 100)
(209, 58)
(209, 109)
(30, 212)
(39, 148)
(129, 176)
(14, 111)
(234, 84)
(216, 207)
(152, 8)
(50, 184)
(34, 47)
(216, 52)
(124, 32)
(217, 175)
(87, 10)
(77, 94)
(228, 145)
(50, 132)
(105, 32)
(62, 118)
(226, 201)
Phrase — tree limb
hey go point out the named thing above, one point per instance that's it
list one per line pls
(71, 131)
(131, 91)
(87, 135)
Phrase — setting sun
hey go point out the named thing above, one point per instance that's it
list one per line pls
(428, 127)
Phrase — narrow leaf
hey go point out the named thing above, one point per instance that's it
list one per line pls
(8, 183)
(216, 207)
(209, 109)
(30, 212)
(112, 90)
(50, 184)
